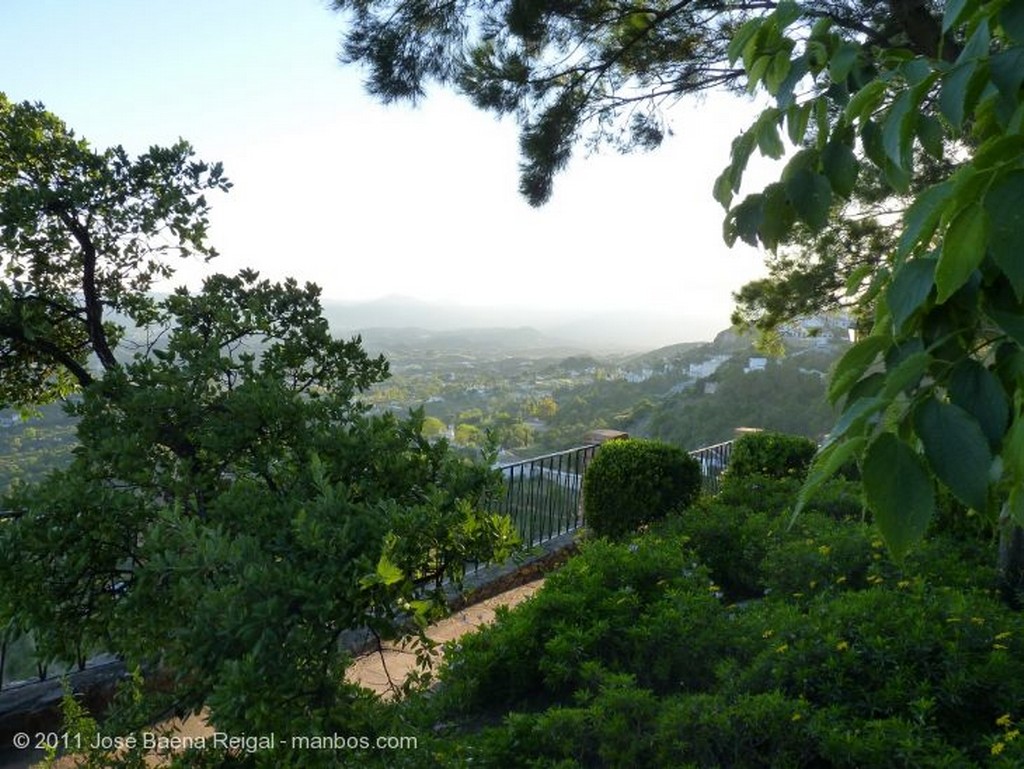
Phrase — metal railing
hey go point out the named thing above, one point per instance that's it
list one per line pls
(544, 495)
(713, 461)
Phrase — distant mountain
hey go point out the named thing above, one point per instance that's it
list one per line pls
(601, 331)
(523, 342)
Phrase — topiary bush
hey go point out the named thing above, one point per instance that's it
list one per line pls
(631, 483)
(775, 455)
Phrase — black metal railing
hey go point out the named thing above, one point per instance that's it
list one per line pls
(713, 461)
(544, 495)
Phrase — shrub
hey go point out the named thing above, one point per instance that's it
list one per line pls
(775, 455)
(635, 482)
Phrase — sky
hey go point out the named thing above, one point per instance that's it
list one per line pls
(370, 201)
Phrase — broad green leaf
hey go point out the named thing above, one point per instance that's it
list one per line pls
(977, 391)
(956, 449)
(956, 11)
(1010, 322)
(841, 166)
(978, 44)
(757, 70)
(853, 418)
(1007, 71)
(953, 96)
(744, 220)
(963, 249)
(778, 71)
(827, 463)
(899, 492)
(1013, 450)
(906, 373)
(865, 101)
(779, 216)
(387, 572)
(909, 289)
(768, 140)
(854, 363)
(1004, 204)
(999, 150)
(1011, 17)
(811, 196)
(741, 37)
(931, 135)
(797, 118)
(842, 61)
(785, 96)
(922, 219)
(898, 130)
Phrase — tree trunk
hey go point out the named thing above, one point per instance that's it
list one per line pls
(1011, 560)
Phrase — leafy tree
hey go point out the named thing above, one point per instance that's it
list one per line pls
(590, 70)
(232, 510)
(934, 391)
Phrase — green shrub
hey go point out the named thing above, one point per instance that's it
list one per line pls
(775, 455)
(635, 482)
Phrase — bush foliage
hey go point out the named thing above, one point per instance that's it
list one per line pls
(775, 455)
(631, 483)
(728, 637)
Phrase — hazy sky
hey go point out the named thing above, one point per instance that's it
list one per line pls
(367, 200)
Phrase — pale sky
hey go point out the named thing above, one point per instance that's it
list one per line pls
(367, 200)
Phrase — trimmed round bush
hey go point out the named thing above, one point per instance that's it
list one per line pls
(634, 482)
(775, 455)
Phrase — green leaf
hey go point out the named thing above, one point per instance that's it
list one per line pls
(779, 216)
(1011, 17)
(909, 289)
(797, 118)
(387, 572)
(854, 417)
(827, 463)
(1004, 204)
(957, 450)
(907, 373)
(811, 196)
(842, 61)
(841, 166)
(741, 37)
(963, 249)
(865, 101)
(854, 363)
(957, 11)
(977, 391)
(1007, 72)
(898, 130)
(899, 492)
(931, 135)
(953, 96)
(768, 140)
(745, 219)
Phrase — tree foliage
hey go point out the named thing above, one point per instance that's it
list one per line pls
(232, 509)
(595, 70)
(933, 392)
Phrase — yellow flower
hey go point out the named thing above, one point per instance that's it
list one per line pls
(813, 584)
(903, 583)
(796, 717)
(1011, 735)
(1000, 647)
(978, 620)
(767, 634)
(782, 649)
(842, 646)
(1003, 636)
(998, 748)
(824, 549)
(840, 580)
(1004, 720)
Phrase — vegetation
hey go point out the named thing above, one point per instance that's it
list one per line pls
(771, 454)
(631, 483)
(723, 637)
(231, 509)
